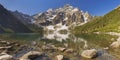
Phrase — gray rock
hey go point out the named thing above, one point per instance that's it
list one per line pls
(103, 55)
(89, 53)
(5, 56)
(31, 54)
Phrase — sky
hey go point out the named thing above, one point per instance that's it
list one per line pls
(31, 7)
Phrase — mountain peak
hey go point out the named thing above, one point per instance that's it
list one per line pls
(68, 6)
(1, 7)
(67, 15)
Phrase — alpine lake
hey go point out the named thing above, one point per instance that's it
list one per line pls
(78, 43)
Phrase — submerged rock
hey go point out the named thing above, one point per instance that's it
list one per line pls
(89, 53)
(106, 56)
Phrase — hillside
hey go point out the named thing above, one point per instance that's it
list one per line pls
(9, 23)
(108, 23)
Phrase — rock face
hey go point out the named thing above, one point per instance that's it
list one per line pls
(89, 53)
(62, 18)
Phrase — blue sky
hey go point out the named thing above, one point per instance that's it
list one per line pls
(31, 7)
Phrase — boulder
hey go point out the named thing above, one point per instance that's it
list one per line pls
(30, 55)
(61, 49)
(115, 44)
(89, 53)
(59, 57)
(5, 47)
(5, 57)
(3, 42)
(69, 50)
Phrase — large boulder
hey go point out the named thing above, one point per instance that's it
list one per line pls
(5, 57)
(89, 53)
(30, 55)
(59, 57)
(115, 44)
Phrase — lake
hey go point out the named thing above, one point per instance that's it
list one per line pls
(77, 42)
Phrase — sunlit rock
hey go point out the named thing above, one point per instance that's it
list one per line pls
(89, 53)
(59, 57)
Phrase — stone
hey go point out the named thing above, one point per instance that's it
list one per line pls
(69, 50)
(115, 44)
(106, 48)
(3, 42)
(61, 49)
(5, 57)
(65, 44)
(5, 47)
(32, 54)
(49, 47)
(59, 57)
(105, 56)
(89, 53)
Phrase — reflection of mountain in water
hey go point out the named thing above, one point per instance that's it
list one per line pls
(57, 36)
(65, 37)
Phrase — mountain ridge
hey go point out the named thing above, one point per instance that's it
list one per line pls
(62, 18)
(10, 24)
(108, 23)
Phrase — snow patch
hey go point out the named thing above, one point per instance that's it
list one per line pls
(75, 10)
(53, 16)
(66, 18)
(50, 27)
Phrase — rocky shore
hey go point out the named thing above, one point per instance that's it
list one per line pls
(17, 51)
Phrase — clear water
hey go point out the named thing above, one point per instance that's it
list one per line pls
(77, 42)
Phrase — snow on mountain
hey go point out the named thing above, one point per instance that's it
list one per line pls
(62, 18)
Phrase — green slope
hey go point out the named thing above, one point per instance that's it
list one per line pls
(108, 23)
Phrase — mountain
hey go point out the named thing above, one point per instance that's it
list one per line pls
(10, 23)
(26, 19)
(62, 18)
(107, 23)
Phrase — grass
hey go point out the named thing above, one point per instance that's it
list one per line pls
(108, 23)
